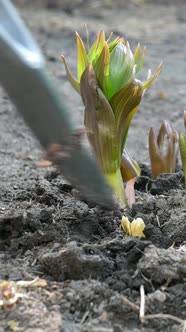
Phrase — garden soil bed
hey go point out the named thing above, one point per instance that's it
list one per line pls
(94, 273)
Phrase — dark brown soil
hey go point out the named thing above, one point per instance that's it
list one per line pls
(91, 267)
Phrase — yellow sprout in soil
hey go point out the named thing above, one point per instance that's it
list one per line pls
(14, 326)
(11, 291)
(134, 228)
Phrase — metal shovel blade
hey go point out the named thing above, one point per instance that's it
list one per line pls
(24, 76)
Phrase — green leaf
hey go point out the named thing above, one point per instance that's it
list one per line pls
(97, 47)
(101, 68)
(137, 54)
(139, 58)
(113, 44)
(125, 104)
(149, 81)
(73, 81)
(99, 122)
(121, 66)
(82, 57)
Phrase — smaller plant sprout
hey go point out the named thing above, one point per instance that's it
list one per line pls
(182, 144)
(11, 292)
(9, 295)
(14, 326)
(134, 228)
(163, 150)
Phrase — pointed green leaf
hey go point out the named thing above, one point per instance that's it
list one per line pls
(73, 81)
(101, 68)
(94, 48)
(125, 104)
(149, 81)
(137, 54)
(109, 38)
(113, 44)
(82, 56)
(140, 61)
(97, 47)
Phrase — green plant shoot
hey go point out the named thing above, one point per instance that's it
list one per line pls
(134, 228)
(111, 92)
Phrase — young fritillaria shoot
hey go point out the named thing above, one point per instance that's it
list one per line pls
(163, 150)
(111, 92)
(182, 144)
(134, 228)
